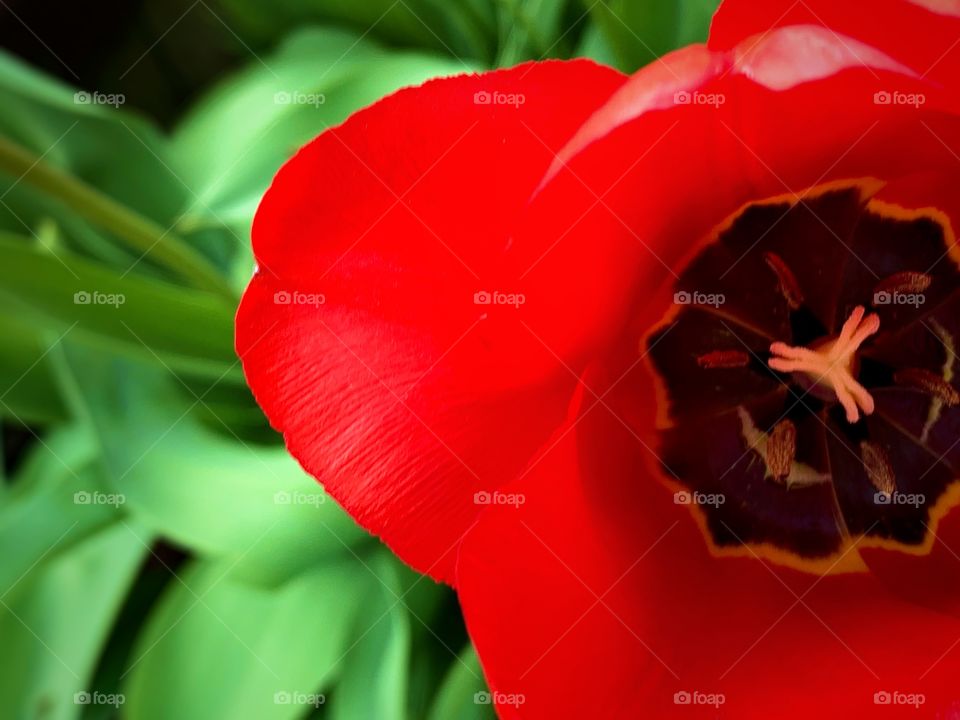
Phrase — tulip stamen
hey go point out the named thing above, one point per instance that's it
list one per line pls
(789, 287)
(782, 450)
(931, 383)
(724, 359)
(879, 470)
(832, 364)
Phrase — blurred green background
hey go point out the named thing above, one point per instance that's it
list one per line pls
(162, 556)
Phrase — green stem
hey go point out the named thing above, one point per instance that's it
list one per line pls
(137, 232)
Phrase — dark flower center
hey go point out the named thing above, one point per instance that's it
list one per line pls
(811, 375)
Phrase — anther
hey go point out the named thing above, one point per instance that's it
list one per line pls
(878, 467)
(724, 359)
(782, 449)
(904, 282)
(789, 287)
(928, 382)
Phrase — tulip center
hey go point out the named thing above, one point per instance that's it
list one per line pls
(809, 371)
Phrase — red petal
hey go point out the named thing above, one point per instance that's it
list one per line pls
(399, 392)
(597, 597)
(921, 34)
(672, 617)
(669, 171)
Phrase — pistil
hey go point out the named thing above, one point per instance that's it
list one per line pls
(832, 364)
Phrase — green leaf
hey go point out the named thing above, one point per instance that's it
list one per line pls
(56, 621)
(96, 164)
(65, 450)
(532, 29)
(28, 394)
(27, 209)
(149, 240)
(639, 31)
(595, 45)
(375, 671)
(42, 521)
(460, 29)
(218, 648)
(462, 696)
(212, 493)
(233, 142)
(114, 150)
(188, 330)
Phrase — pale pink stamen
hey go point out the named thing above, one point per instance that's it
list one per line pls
(831, 365)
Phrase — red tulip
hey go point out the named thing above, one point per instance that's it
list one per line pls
(660, 372)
